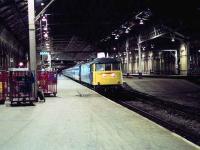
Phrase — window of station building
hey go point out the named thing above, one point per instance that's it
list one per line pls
(116, 66)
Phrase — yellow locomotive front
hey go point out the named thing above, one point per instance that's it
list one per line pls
(107, 74)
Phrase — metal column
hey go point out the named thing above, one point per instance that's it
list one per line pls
(32, 40)
(140, 57)
(127, 56)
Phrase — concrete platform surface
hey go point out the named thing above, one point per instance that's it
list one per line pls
(175, 90)
(80, 119)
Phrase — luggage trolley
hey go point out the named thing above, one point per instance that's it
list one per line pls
(47, 81)
(22, 86)
(3, 86)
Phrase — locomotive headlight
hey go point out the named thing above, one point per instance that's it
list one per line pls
(113, 75)
(103, 75)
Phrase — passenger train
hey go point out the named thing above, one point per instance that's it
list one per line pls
(101, 72)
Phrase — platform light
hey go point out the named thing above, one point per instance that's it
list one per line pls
(42, 4)
(21, 64)
(114, 48)
(57, 58)
(199, 51)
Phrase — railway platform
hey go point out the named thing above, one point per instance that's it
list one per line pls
(175, 90)
(81, 119)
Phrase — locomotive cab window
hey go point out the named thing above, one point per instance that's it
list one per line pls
(100, 67)
(107, 67)
(116, 66)
(103, 67)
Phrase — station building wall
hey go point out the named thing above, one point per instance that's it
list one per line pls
(10, 50)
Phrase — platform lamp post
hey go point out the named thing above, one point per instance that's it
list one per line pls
(140, 57)
(32, 41)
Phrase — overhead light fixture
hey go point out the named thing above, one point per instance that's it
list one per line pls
(173, 39)
(46, 35)
(127, 30)
(45, 28)
(42, 4)
(123, 27)
(114, 48)
(199, 51)
(44, 18)
(113, 33)
(116, 37)
(141, 21)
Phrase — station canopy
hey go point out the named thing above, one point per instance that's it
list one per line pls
(77, 29)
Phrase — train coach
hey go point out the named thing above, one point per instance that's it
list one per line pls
(101, 72)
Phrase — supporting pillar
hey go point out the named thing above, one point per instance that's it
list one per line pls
(127, 56)
(140, 57)
(32, 40)
(184, 58)
(176, 62)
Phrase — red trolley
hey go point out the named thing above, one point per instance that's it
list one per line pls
(22, 86)
(3, 86)
(47, 81)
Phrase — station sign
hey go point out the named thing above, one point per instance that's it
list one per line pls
(44, 53)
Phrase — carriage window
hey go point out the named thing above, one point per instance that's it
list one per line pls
(107, 67)
(100, 67)
(116, 66)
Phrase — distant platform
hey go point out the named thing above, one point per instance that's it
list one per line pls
(175, 90)
(80, 119)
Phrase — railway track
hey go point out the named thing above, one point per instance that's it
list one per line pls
(128, 98)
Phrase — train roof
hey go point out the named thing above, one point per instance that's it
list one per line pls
(105, 60)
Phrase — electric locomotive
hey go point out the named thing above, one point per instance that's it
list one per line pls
(101, 72)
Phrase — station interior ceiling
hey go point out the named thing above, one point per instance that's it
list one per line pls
(77, 29)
